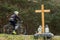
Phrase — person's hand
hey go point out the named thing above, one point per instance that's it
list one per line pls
(21, 21)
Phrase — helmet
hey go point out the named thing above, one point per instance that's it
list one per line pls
(16, 12)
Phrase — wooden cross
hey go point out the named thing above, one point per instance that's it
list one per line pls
(42, 11)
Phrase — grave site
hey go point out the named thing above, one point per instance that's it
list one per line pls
(29, 19)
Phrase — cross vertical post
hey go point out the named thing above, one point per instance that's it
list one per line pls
(42, 7)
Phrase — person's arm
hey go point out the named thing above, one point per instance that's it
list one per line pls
(18, 18)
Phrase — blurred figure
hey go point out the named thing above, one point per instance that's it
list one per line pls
(46, 29)
(47, 33)
(13, 20)
(39, 29)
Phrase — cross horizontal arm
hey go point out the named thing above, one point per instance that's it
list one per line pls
(38, 11)
(46, 10)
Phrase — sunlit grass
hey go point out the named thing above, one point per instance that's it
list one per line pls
(21, 37)
(16, 37)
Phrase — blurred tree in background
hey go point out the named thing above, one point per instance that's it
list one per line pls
(31, 20)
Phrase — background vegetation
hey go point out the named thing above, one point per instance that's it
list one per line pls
(27, 13)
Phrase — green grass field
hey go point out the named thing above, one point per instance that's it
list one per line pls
(21, 37)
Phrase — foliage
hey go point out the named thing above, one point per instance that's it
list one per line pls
(27, 13)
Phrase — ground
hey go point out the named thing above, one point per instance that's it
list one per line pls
(21, 37)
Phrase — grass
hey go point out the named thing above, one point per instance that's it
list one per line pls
(15, 37)
(21, 37)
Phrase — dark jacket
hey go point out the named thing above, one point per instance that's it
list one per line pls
(14, 17)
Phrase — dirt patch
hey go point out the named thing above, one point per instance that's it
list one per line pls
(2, 38)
